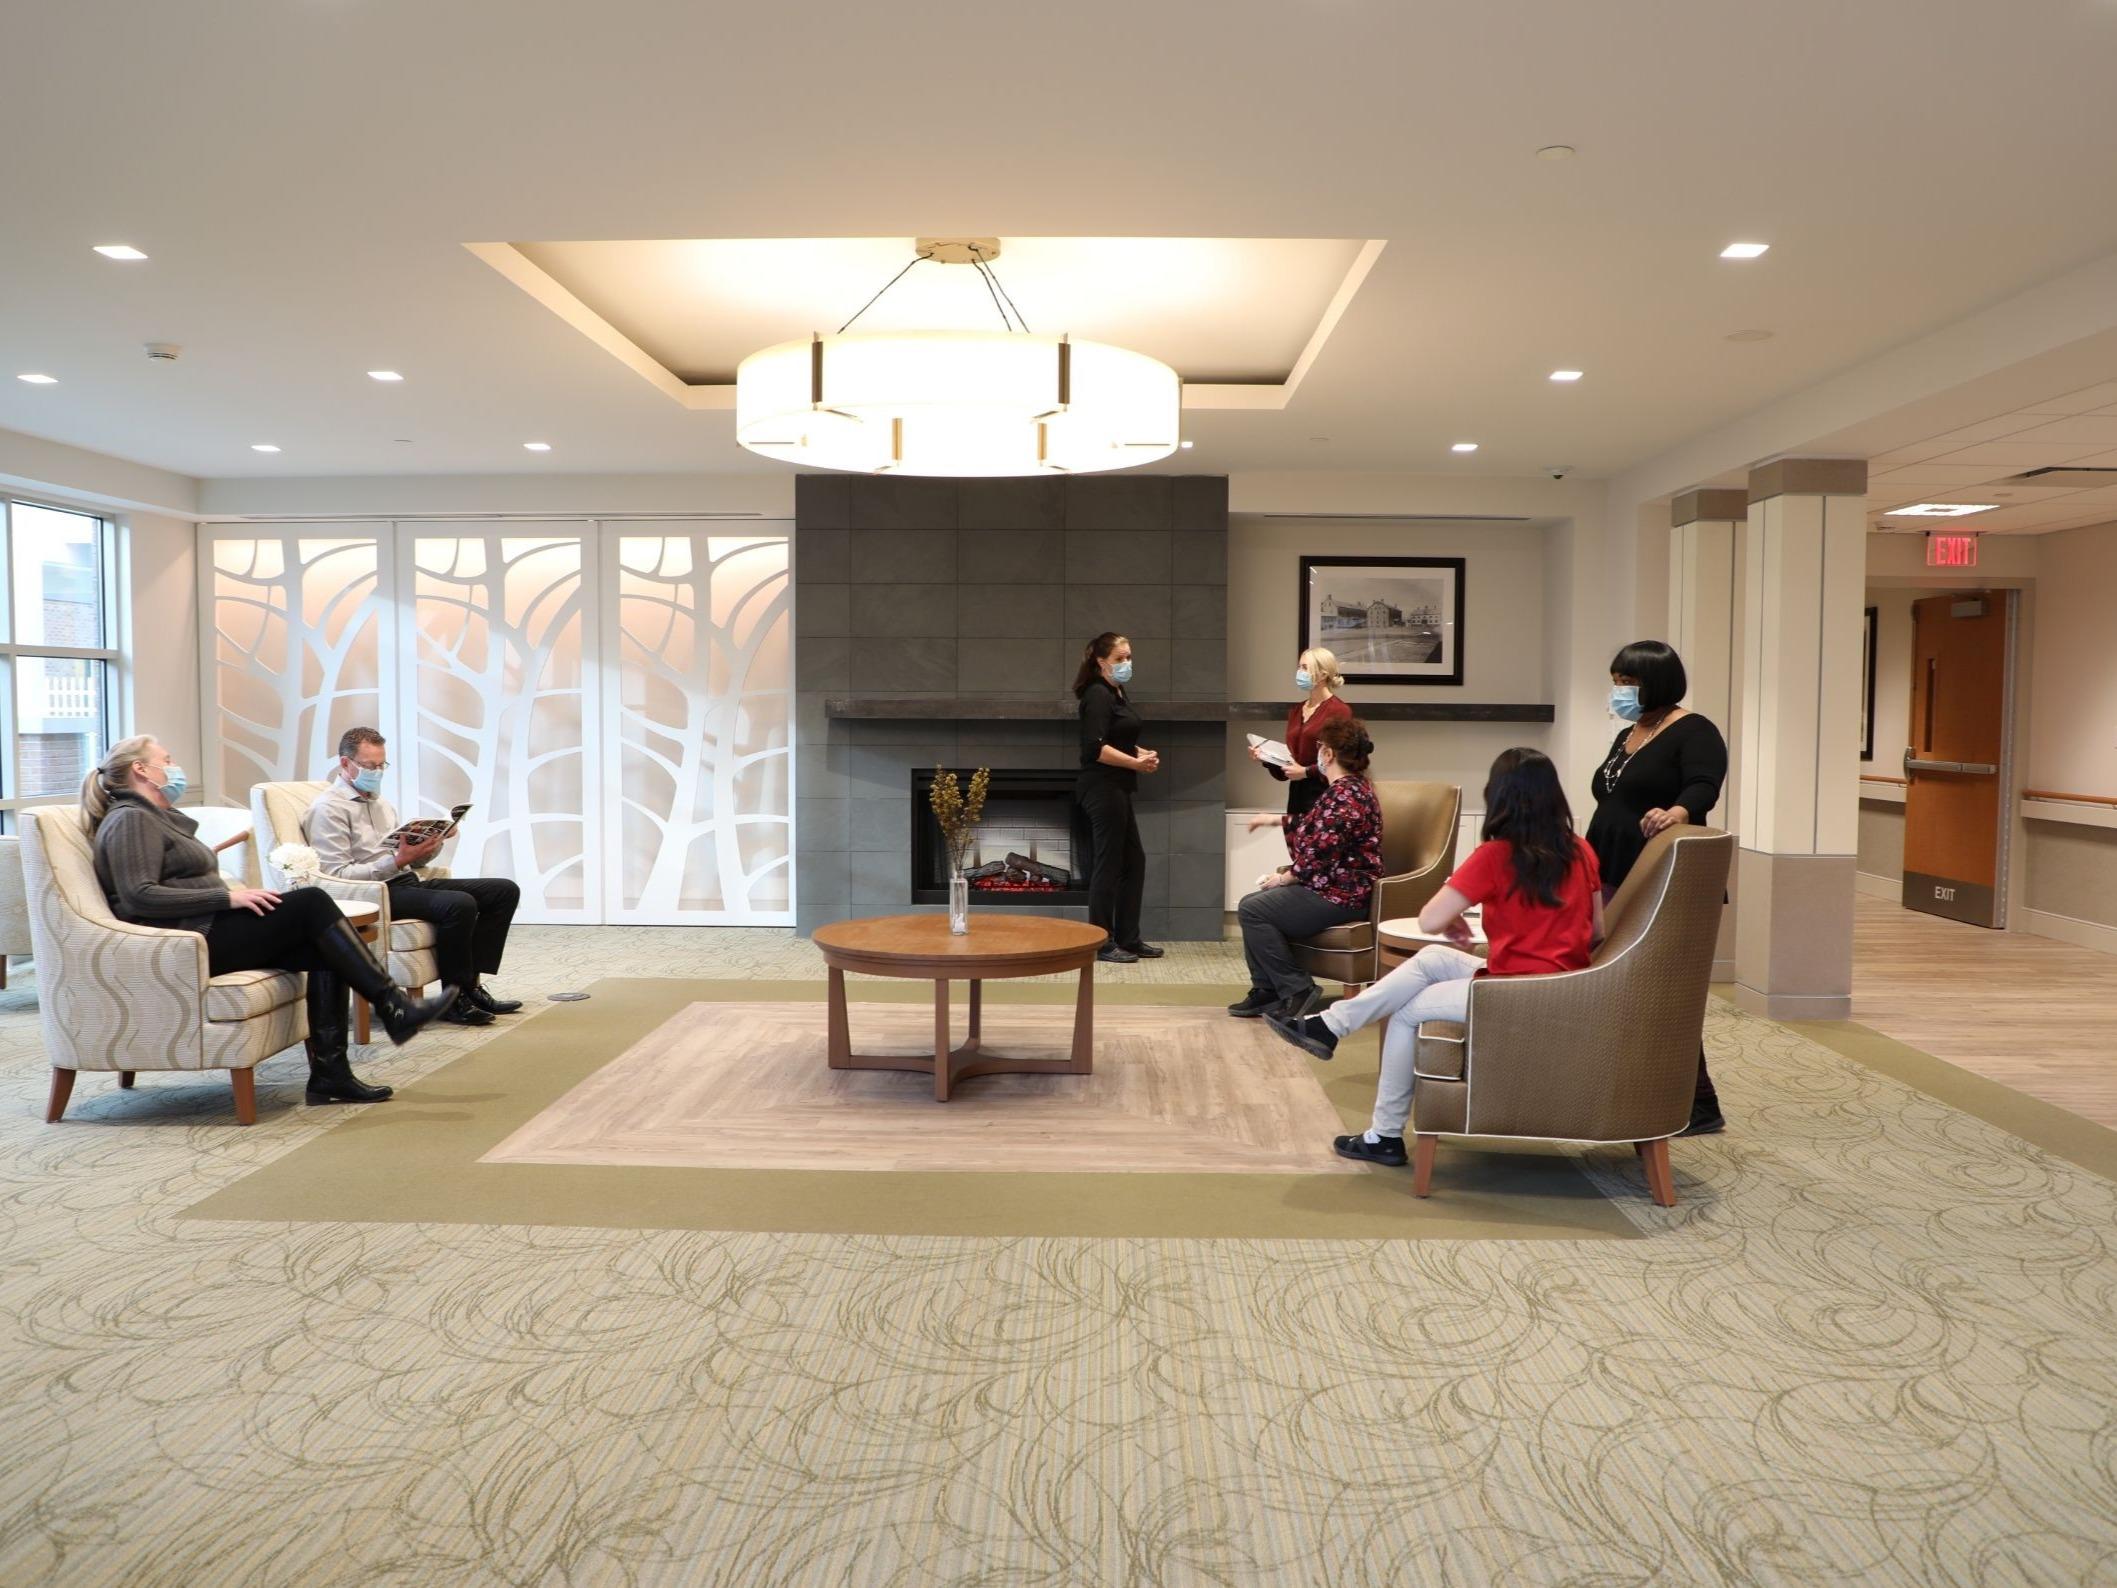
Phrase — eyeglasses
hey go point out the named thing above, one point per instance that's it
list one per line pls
(379, 766)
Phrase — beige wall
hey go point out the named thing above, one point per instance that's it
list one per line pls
(1504, 658)
(1881, 852)
(2074, 707)
(2071, 872)
(161, 594)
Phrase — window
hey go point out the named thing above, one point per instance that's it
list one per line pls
(58, 663)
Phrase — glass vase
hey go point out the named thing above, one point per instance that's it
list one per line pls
(958, 903)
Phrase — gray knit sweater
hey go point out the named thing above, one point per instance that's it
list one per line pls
(154, 870)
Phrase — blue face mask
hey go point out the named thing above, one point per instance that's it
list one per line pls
(1302, 680)
(174, 782)
(367, 780)
(1624, 700)
(1121, 672)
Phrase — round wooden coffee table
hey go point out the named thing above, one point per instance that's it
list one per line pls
(995, 948)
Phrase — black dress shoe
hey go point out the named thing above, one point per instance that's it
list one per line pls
(1383, 1149)
(1254, 1003)
(1309, 1034)
(483, 998)
(1705, 1122)
(1111, 954)
(1142, 950)
(463, 1012)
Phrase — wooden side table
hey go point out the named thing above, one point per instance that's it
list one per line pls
(996, 947)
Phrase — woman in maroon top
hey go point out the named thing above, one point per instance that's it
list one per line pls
(1337, 857)
(1316, 675)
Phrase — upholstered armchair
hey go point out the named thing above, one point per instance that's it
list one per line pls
(114, 996)
(14, 905)
(276, 813)
(1419, 822)
(1605, 1054)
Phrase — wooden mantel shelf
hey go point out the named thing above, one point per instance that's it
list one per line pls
(1043, 708)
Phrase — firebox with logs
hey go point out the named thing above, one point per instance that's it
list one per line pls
(1018, 874)
(1031, 820)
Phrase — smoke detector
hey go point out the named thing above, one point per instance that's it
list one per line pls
(164, 350)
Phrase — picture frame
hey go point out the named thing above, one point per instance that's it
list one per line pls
(1867, 655)
(1390, 620)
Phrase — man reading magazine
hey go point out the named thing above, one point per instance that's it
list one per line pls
(357, 836)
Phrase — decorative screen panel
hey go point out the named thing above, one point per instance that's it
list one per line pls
(614, 701)
(295, 617)
(699, 739)
(497, 704)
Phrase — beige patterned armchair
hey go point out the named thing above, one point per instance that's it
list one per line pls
(1419, 822)
(114, 996)
(1605, 1054)
(276, 814)
(14, 904)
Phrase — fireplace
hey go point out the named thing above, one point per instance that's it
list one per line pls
(1031, 849)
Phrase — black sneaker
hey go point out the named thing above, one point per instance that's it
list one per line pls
(1254, 1003)
(1705, 1122)
(1143, 951)
(1384, 1149)
(1111, 954)
(1309, 1034)
(1299, 1006)
(464, 1013)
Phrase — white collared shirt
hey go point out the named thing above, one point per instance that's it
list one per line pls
(350, 833)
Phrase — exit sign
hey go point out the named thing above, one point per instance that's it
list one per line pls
(1951, 551)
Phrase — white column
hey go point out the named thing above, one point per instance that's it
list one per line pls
(1803, 579)
(1705, 621)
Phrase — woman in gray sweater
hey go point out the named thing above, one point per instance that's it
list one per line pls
(155, 872)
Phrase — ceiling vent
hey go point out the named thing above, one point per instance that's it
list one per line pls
(2063, 478)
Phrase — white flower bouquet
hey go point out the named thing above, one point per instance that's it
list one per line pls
(297, 863)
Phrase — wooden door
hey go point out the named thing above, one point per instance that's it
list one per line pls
(1954, 804)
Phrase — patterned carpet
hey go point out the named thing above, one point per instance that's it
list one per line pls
(1876, 1342)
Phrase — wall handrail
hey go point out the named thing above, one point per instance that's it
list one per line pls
(2069, 799)
(1877, 777)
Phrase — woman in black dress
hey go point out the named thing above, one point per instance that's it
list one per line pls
(1111, 761)
(1665, 769)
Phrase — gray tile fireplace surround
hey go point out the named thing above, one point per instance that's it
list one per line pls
(952, 590)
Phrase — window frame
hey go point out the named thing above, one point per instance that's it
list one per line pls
(111, 653)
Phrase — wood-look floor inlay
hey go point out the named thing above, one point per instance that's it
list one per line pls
(2028, 1012)
(745, 1086)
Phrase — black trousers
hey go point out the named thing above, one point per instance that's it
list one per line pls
(1271, 919)
(1117, 873)
(280, 939)
(471, 916)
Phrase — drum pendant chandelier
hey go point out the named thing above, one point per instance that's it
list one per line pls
(1006, 402)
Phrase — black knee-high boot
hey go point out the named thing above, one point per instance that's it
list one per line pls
(331, 1077)
(348, 959)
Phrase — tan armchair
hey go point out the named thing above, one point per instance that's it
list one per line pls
(115, 996)
(14, 904)
(1419, 822)
(1605, 1054)
(276, 814)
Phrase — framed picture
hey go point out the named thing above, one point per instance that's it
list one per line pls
(1867, 687)
(1391, 620)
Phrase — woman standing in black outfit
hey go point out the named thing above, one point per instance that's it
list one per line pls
(1664, 770)
(1111, 761)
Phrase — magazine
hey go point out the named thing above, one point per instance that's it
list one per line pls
(428, 828)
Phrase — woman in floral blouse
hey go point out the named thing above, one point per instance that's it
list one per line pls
(1336, 847)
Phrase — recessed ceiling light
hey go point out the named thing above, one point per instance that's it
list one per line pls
(1555, 151)
(1751, 336)
(1744, 250)
(384, 374)
(1185, 445)
(40, 380)
(262, 446)
(119, 251)
(1464, 446)
(536, 446)
(1941, 509)
(1565, 374)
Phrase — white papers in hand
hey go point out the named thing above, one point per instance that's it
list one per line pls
(1272, 750)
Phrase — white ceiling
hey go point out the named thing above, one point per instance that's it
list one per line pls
(1215, 309)
(305, 174)
(2077, 428)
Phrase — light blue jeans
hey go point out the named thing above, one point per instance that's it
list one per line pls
(1434, 984)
